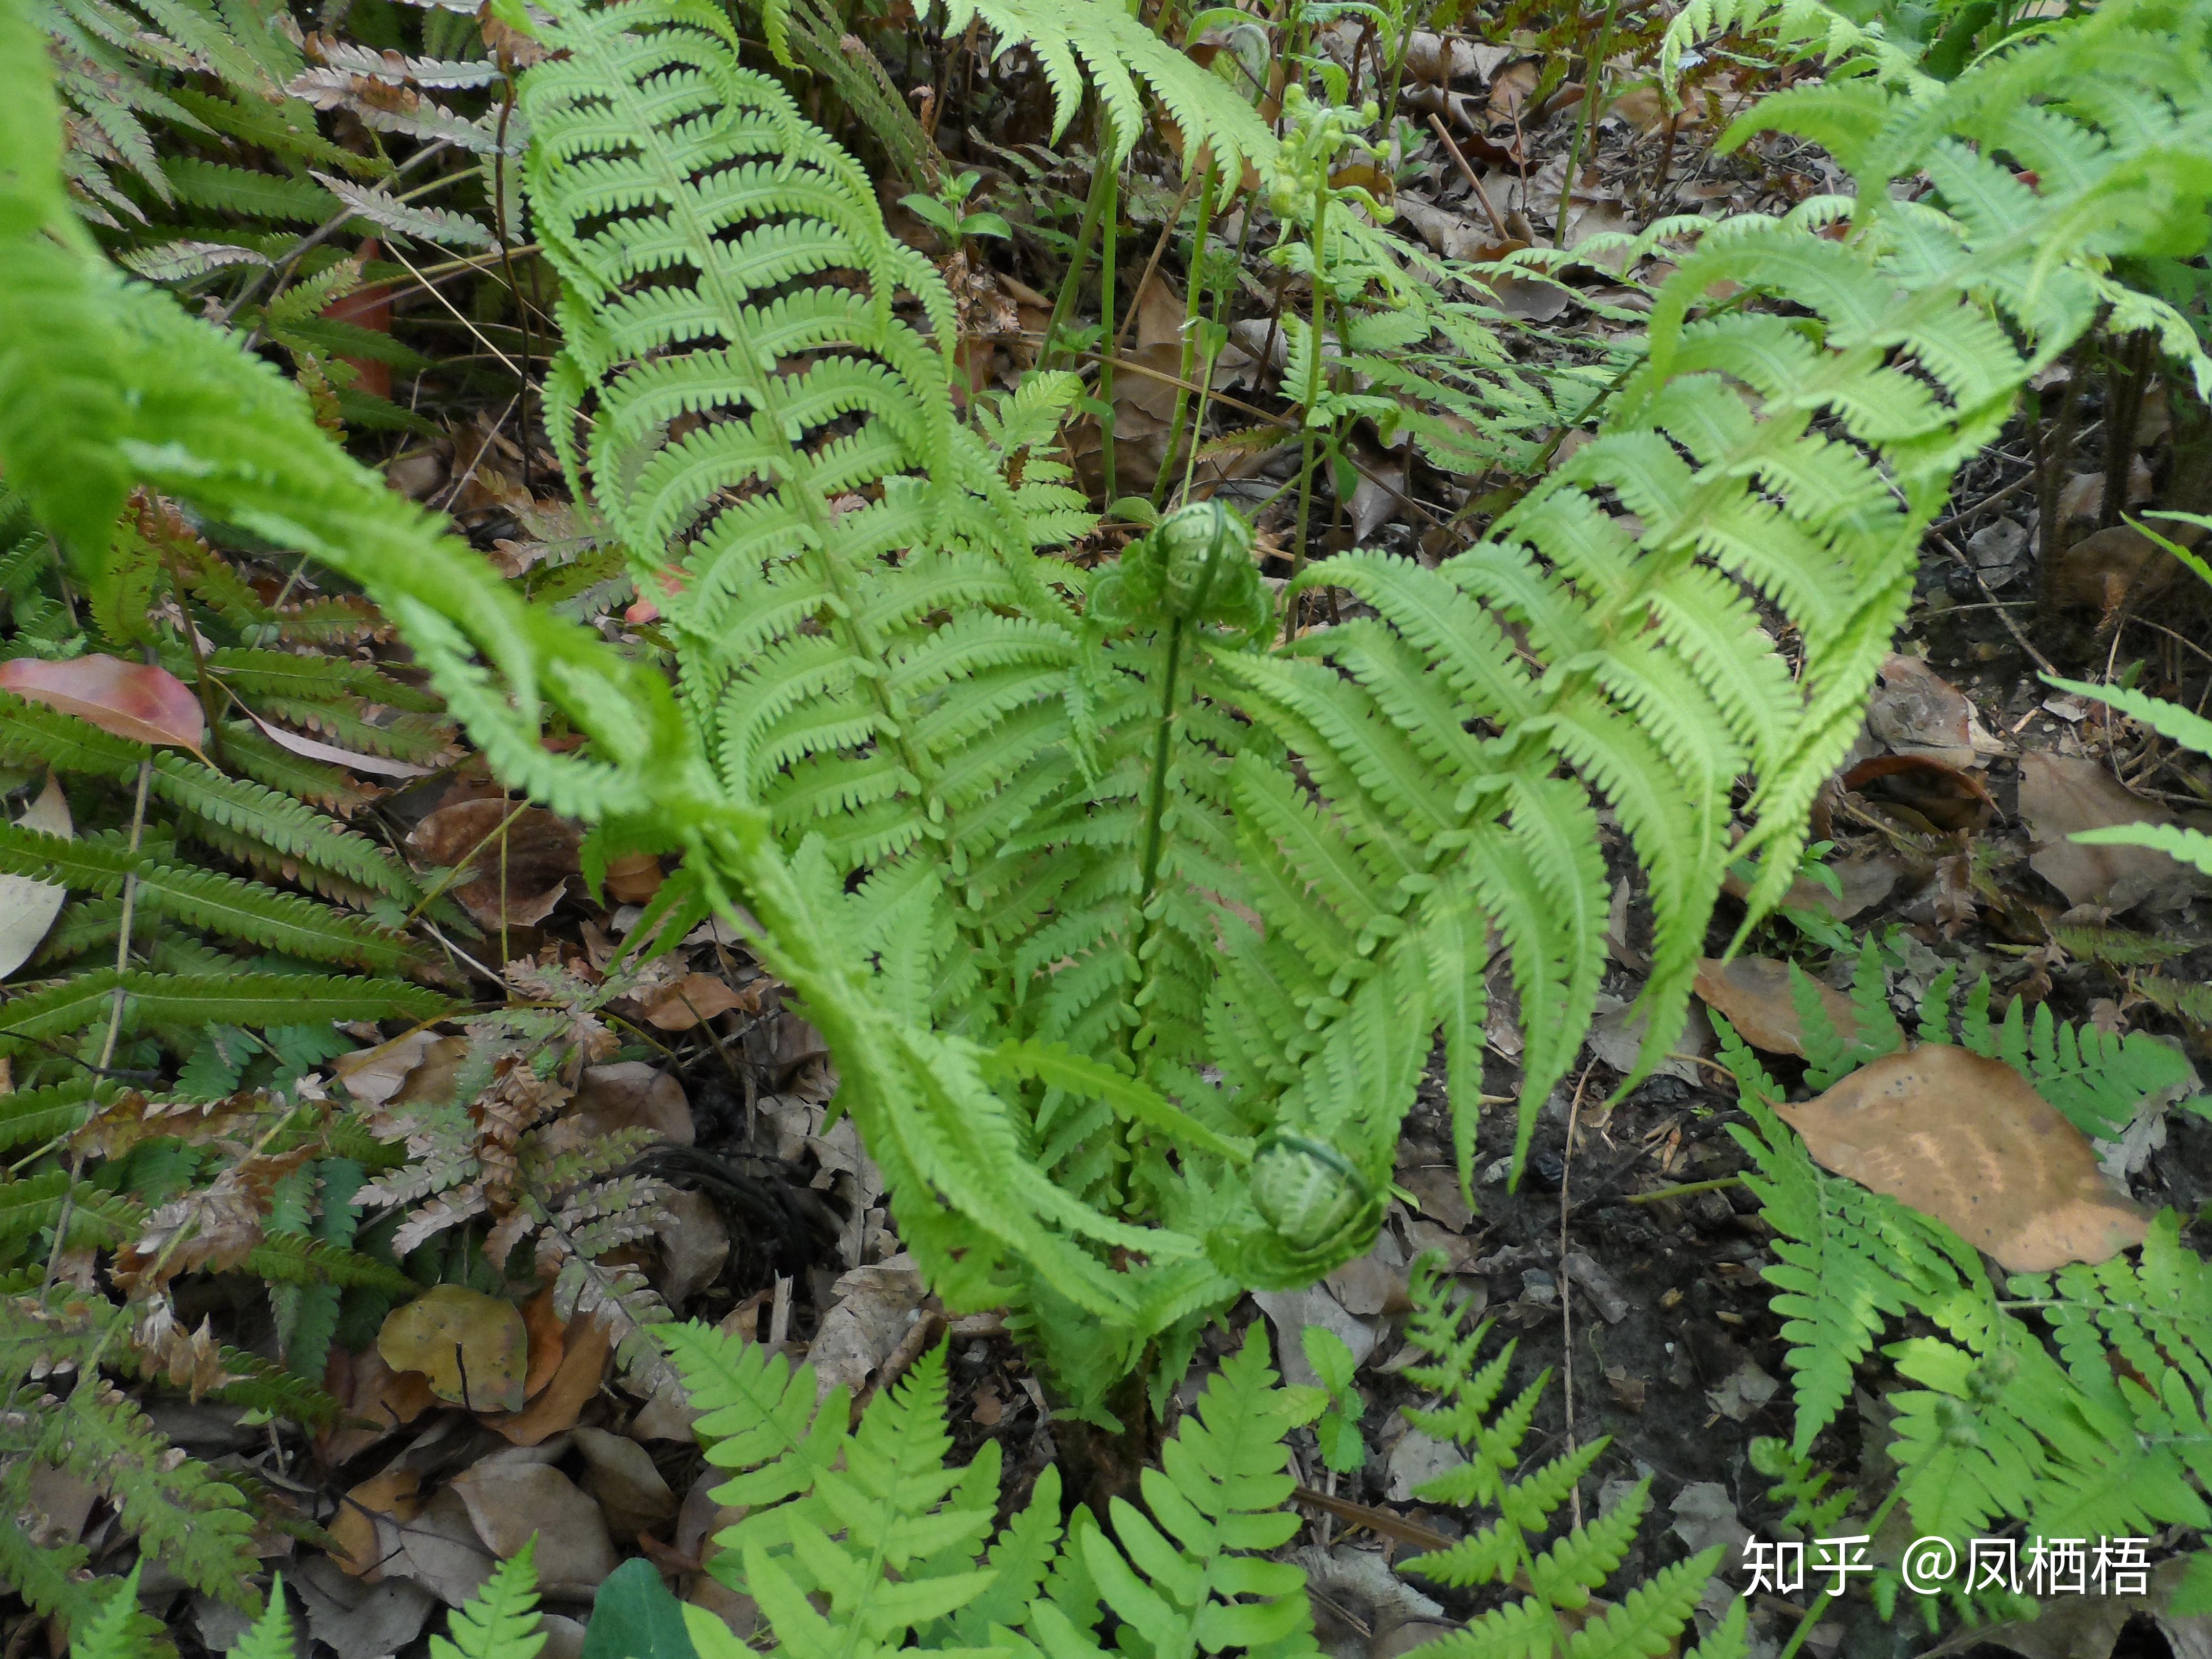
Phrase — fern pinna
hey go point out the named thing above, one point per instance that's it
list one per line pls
(863, 1535)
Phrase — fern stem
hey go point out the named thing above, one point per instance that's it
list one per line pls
(1312, 398)
(1155, 791)
(114, 1029)
(1586, 123)
(1688, 1189)
(1086, 236)
(1812, 1614)
(1191, 299)
(130, 906)
(1109, 251)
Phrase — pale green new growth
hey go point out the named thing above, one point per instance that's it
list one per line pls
(1562, 1576)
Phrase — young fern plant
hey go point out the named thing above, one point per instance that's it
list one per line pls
(1556, 1609)
(500, 1621)
(2100, 1081)
(862, 1535)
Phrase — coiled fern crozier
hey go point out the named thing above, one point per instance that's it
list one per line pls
(1130, 929)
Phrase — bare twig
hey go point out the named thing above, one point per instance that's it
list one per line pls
(1474, 179)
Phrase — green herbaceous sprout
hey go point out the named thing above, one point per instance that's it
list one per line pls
(1090, 916)
(1196, 566)
(1298, 182)
(1312, 1195)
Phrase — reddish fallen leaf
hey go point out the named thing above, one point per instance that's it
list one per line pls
(1753, 994)
(368, 308)
(133, 700)
(1966, 1141)
(548, 1342)
(583, 1365)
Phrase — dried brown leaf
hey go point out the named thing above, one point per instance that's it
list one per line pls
(2061, 796)
(518, 872)
(575, 1380)
(1965, 1139)
(1753, 994)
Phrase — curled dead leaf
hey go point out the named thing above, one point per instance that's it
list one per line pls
(1918, 712)
(472, 1349)
(367, 1525)
(517, 872)
(2102, 572)
(373, 1076)
(634, 877)
(575, 1380)
(548, 1341)
(377, 1399)
(1924, 793)
(684, 1003)
(514, 1503)
(1965, 1139)
(133, 700)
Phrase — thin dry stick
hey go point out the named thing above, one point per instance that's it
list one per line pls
(512, 367)
(2004, 616)
(1566, 1294)
(1152, 264)
(1474, 178)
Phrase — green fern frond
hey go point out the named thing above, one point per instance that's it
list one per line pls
(1847, 1260)
(33, 735)
(270, 1636)
(195, 1524)
(501, 1620)
(1563, 1577)
(260, 817)
(1117, 50)
(293, 1259)
(1217, 1502)
(201, 898)
(118, 1630)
